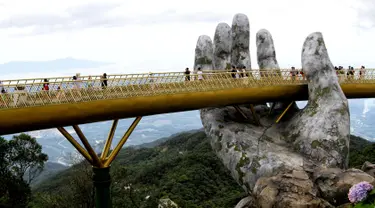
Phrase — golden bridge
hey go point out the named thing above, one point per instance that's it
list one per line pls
(25, 106)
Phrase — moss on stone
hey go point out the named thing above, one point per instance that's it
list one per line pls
(255, 165)
(229, 145)
(243, 161)
(315, 144)
(291, 138)
(343, 110)
(236, 148)
(322, 91)
(203, 60)
(311, 110)
(218, 146)
(228, 66)
(320, 42)
(244, 146)
(313, 105)
(297, 146)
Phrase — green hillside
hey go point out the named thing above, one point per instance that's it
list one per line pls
(183, 168)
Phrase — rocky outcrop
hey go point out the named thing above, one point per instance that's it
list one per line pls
(167, 203)
(369, 168)
(333, 183)
(284, 165)
(240, 41)
(203, 53)
(222, 47)
(247, 202)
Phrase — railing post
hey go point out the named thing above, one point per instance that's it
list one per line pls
(102, 183)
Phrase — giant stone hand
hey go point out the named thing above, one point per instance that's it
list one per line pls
(279, 164)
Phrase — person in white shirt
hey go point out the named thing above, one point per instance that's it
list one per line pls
(200, 74)
(362, 72)
(238, 73)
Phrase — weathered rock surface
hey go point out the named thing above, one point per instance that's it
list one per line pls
(167, 203)
(240, 41)
(266, 53)
(222, 47)
(294, 189)
(203, 53)
(267, 61)
(322, 130)
(334, 183)
(247, 202)
(279, 165)
(369, 168)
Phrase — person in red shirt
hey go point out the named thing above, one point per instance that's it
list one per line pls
(45, 85)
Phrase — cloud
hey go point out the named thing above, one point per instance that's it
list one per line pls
(99, 14)
(365, 10)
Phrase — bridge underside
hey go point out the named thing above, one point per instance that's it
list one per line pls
(59, 115)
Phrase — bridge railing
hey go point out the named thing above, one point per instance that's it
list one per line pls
(29, 92)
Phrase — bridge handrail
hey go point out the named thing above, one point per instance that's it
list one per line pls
(140, 77)
(124, 86)
(142, 74)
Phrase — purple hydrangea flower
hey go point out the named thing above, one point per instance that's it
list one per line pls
(358, 192)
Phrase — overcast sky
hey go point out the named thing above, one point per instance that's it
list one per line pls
(161, 35)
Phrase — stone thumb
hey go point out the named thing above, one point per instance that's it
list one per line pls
(321, 131)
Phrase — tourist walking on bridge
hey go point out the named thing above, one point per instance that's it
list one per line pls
(187, 74)
(76, 84)
(45, 85)
(233, 72)
(293, 73)
(3, 95)
(350, 73)
(103, 80)
(200, 74)
(362, 71)
(302, 74)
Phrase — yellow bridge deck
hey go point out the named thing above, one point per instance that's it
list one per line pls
(25, 106)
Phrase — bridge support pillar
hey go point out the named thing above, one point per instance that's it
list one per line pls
(102, 183)
(256, 118)
(272, 108)
(240, 111)
(282, 114)
(100, 165)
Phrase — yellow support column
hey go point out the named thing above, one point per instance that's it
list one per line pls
(108, 142)
(101, 165)
(117, 149)
(286, 109)
(240, 111)
(75, 144)
(88, 147)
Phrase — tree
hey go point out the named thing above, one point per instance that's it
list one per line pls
(17, 156)
(25, 157)
(76, 190)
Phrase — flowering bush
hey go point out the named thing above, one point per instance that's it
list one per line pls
(362, 195)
